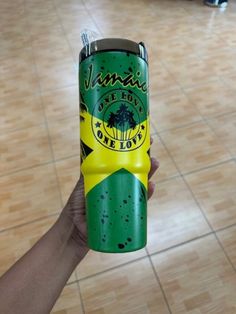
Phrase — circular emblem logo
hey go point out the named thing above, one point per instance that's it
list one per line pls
(119, 120)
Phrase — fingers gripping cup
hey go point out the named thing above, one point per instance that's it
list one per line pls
(115, 143)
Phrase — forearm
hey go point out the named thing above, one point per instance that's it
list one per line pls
(34, 283)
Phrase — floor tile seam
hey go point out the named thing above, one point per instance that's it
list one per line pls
(75, 61)
(21, 129)
(80, 291)
(29, 222)
(58, 160)
(186, 183)
(38, 93)
(180, 244)
(160, 285)
(36, 165)
(208, 124)
(112, 268)
(151, 254)
(224, 251)
(193, 85)
(221, 78)
(219, 141)
(146, 256)
(46, 124)
(209, 224)
(185, 125)
(213, 165)
(225, 114)
(92, 18)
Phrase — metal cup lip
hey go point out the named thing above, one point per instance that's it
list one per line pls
(113, 44)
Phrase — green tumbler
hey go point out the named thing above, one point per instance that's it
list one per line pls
(115, 143)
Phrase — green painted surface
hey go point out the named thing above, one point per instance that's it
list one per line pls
(114, 89)
(116, 214)
(126, 67)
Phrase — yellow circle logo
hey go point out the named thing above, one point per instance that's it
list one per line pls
(119, 120)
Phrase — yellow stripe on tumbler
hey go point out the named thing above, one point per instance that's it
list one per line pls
(131, 160)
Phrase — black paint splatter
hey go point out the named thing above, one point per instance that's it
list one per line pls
(129, 239)
(125, 201)
(121, 246)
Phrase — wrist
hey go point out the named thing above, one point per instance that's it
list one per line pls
(68, 235)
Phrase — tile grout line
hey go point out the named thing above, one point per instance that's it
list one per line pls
(23, 128)
(152, 254)
(208, 167)
(45, 117)
(206, 121)
(160, 284)
(24, 169)
(79, 290)
(202, 119)
(91, 16)
(180, 126)
(175, 246)
(71, 282)
(46, 91)
(65, 35)
(198, 204)
(29, 222)
(161, 251)
(113, 268)
(147, 254)
(225, 253)
(225, 114)
(38, 165)
(52, 152)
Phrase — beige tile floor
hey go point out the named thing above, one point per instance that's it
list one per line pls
(189, 263)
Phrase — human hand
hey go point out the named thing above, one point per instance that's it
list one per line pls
(75, 208)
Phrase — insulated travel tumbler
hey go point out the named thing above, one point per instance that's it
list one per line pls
(115, 143)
